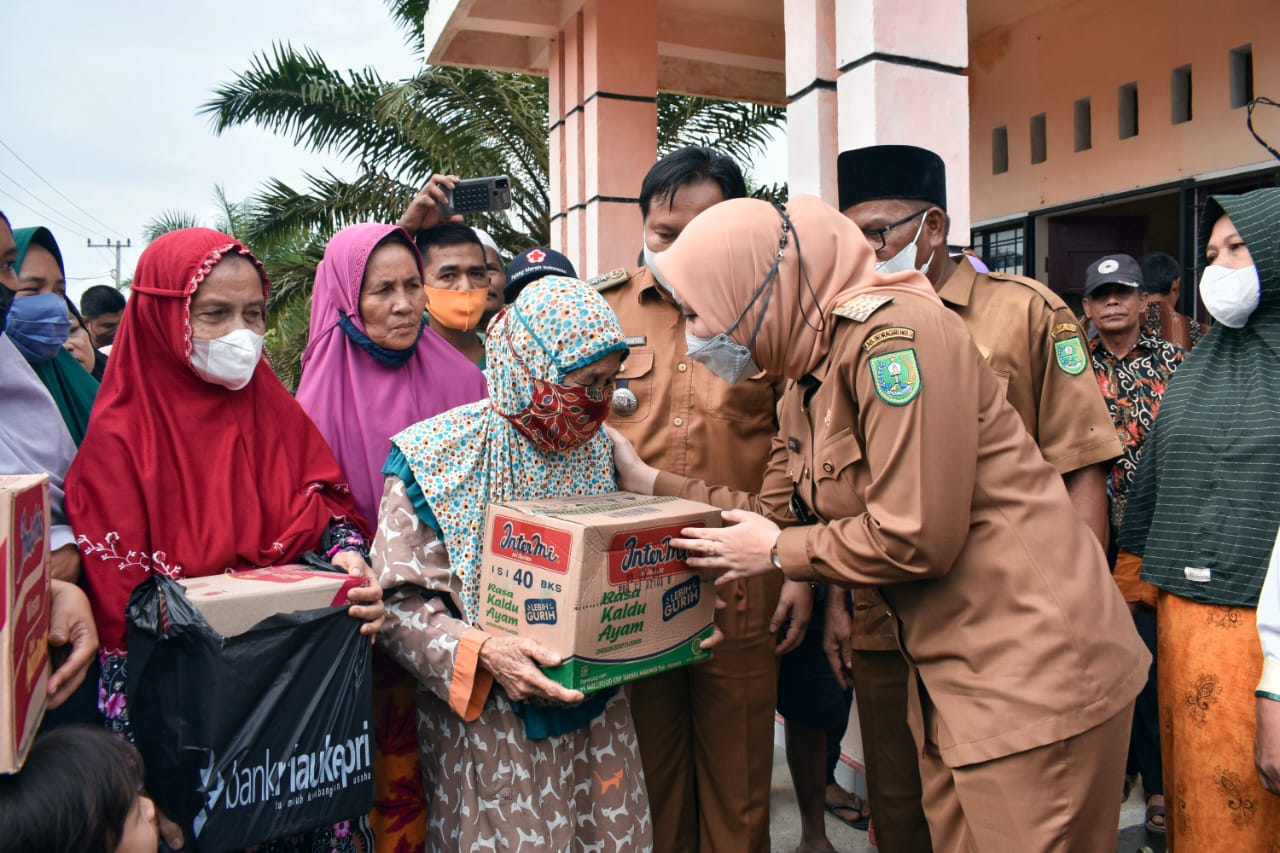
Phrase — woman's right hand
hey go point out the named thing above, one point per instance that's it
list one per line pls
(633, 474)
(514, 662)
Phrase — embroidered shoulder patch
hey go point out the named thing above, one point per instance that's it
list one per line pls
(1070, 354)
(896, 376)
(1065, 329)
(859, 308)
(609, 280)
(876, 338)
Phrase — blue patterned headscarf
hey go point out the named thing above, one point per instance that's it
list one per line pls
(471, 456)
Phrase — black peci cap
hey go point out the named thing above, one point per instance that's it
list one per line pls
(891, 171)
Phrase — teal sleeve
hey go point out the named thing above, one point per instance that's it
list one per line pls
(398, 465)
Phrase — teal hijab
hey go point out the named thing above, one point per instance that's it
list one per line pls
(1207, 492)
(72, 387)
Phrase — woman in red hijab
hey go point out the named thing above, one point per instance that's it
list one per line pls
(197, 460)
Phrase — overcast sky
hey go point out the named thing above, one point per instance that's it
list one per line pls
(102, 104)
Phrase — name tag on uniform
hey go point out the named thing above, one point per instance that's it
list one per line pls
(1197, 575)
(637, 341)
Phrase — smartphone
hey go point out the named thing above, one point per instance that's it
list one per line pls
(477, 195)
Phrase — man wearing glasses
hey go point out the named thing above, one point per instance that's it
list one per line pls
(897, 195)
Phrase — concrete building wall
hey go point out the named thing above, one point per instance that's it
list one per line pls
(1045, 62)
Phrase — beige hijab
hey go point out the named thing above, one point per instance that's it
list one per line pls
(719, 261)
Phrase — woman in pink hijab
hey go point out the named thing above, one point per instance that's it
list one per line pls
(371, 368)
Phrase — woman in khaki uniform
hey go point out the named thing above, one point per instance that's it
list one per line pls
(900, 465)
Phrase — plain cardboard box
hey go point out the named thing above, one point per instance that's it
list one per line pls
(594, 579)
(24, 613)
(233, 603)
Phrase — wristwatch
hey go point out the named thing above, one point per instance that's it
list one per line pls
(774, 556)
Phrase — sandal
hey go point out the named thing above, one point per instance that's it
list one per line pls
(835, 807)
(1155, 812)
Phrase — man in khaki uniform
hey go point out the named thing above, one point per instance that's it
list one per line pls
(909, 471)
(896, 194)
(706, 732)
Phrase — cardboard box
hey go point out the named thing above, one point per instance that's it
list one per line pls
(24, 613)
(233, 603)
(594, 578)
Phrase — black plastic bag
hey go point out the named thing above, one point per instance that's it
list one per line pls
(253, 737)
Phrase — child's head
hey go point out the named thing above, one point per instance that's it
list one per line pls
(79, 790)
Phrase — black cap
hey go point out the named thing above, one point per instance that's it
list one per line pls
(531, 265)
(1112, 269)
(891, 171)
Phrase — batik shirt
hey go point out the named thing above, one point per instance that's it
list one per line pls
(1132, 385)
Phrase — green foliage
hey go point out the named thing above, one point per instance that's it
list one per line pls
(396, 134)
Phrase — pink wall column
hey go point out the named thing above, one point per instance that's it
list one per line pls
(603, 118)
(901, 66)
(811, 98)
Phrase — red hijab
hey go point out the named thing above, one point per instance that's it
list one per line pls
(182, 477)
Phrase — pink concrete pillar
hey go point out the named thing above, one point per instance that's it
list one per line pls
(901, 66)
(811, 98)
(606, 77)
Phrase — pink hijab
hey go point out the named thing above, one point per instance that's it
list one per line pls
(722, 257)
(357, 403)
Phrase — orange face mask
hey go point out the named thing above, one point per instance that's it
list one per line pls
(456, 309)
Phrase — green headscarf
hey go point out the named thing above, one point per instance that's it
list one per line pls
(71, 386)
(1207, 492)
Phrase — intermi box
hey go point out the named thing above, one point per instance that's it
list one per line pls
(24, 613)
(595, 579)
(234, 602)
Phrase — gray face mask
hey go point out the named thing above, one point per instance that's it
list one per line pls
(722, 356)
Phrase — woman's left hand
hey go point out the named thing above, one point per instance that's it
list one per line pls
(373, 612)
(741, 550)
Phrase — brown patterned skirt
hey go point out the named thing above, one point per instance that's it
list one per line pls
(1210, 663)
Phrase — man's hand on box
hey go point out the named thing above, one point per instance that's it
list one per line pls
(794, 610)
(633, 474)
(368, 597)
(515, 662)
(64, 564)
(71, 625)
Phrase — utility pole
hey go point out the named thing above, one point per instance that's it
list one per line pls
(117, 245)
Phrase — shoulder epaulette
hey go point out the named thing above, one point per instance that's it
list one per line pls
(609, 280)
(1038, 287)
(859, 308)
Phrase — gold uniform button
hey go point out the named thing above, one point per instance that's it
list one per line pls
(679, 421)
(682, 367)
(828, 467)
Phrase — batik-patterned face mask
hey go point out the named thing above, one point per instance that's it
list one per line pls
(560, 418)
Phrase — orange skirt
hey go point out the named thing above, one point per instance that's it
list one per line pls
(399, 815)
(1210, 663)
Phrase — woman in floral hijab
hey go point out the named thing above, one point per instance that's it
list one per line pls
(499, 770)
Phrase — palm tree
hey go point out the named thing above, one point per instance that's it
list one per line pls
(462, 121)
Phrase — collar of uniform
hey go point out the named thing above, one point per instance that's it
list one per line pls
(958, 288)
(650, 291)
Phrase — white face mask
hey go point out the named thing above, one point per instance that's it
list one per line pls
(1231, 295)
(228, 361)
(906, 259)
(650, 261)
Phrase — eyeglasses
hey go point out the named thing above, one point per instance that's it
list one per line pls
(875, 236)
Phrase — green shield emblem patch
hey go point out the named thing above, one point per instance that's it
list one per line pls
(897, 376)
(1070, 355)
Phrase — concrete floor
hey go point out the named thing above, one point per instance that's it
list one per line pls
(785, 821)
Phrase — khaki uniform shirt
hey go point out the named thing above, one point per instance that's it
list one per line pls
(927, 487)
(1032, 341)
(688, 420)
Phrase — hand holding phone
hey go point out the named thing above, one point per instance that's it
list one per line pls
(478, 195)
